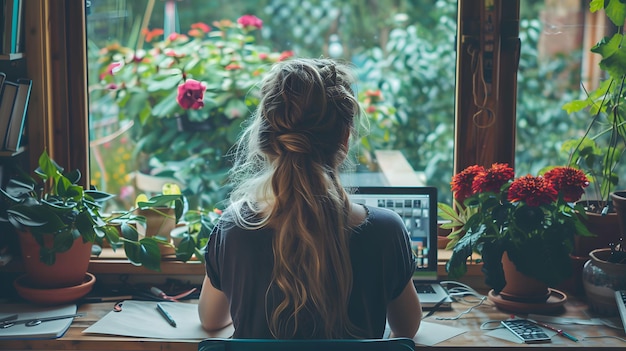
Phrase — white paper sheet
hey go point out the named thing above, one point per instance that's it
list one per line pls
(430, 334)
(141, 319)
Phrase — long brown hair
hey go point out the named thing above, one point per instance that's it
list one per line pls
(287, 172)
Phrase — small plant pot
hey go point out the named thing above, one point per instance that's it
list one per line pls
(601, 279)
(177, 234)
(159, 223)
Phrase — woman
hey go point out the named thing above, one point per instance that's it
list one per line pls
(292, 257)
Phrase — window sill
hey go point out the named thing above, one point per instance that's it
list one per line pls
(110, 262)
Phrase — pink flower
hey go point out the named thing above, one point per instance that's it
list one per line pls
(191, 94)
(250, 21)
(176, 36)
(172, 53)
(111, 69)
(285, 55)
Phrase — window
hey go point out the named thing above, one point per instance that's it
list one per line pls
(403, 50)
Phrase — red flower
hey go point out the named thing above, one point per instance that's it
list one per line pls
(150, 34)
(191, 94)
(534, 191)
(285, 55)
(375, 95)
(462, 182)
(232, 67)
(492, 179)
(370, 109)
(568, 181)
(202, 26)
(250, 21)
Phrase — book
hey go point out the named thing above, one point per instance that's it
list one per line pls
(12, 12)
(15, 129)
(46, 330)
(7, 99)
(19, 27)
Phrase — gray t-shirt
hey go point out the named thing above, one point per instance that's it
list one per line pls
(239, 262)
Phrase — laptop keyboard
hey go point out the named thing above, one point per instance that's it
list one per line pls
(424, 288)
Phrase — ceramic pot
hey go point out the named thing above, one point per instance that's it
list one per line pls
(619, 204)
(69, 269)
(606, 229)
(520, 287)
(600, 279)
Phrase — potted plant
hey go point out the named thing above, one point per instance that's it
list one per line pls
(529, 222)
(160, 215)
(192, 236)
(56, 215)
(599, 150)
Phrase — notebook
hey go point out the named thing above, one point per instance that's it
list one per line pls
(418, 208)
(51, 329)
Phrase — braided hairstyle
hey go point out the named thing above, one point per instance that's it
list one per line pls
(286, 175)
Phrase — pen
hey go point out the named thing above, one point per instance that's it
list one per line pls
(558, 331)
(436, 307)
(166, 315)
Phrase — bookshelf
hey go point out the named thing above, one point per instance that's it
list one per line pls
(11, 56)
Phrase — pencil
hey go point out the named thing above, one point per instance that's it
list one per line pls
(557, 330)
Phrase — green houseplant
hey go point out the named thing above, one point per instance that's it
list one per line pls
(58, 212)
(533, 219)
(599, 151)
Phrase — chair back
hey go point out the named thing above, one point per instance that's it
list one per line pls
(393, 344)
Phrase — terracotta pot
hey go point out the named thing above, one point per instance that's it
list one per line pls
(574, 284)
(159, 222)
(606, 229)
(601, 279)
(69, 269)
(520, 287)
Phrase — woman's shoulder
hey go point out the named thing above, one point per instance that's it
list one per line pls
(383, 220)
(383, 214)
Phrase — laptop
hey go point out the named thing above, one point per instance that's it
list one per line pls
(417, 206)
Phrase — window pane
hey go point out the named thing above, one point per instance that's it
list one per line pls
(404, 52)
(549, 74)
(556, 67)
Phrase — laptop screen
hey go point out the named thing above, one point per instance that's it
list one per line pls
(418, 208)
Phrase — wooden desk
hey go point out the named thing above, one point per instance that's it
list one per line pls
(473, 339)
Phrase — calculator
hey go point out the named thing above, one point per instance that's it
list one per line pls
(526, 330)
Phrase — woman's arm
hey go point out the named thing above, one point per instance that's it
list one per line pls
(404, 314)
(213, 307)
